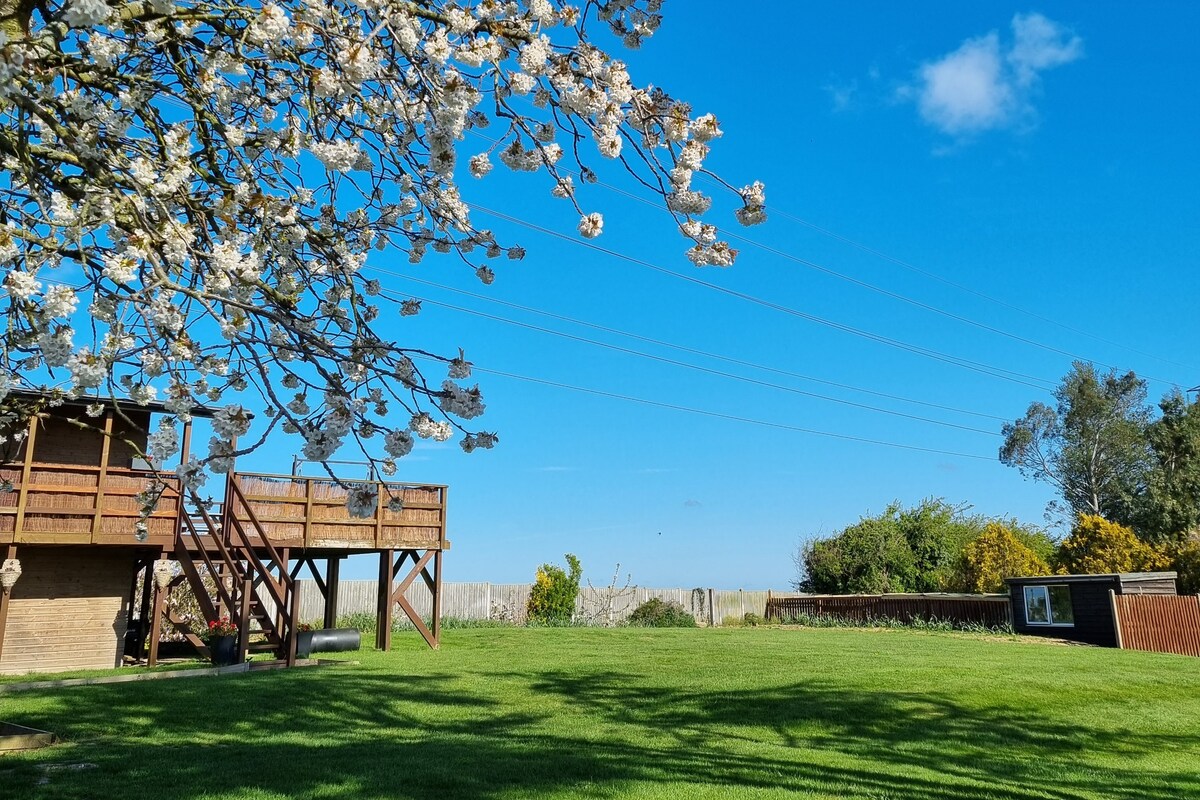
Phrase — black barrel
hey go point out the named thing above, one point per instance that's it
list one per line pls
(327, 640)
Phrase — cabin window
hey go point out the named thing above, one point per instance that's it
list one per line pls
(1048, 605)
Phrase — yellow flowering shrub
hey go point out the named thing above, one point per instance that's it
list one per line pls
(997, 554)
(552, 596)
(1097, 546)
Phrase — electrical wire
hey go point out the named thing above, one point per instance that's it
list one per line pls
(731, 417)
(1032, 381)
(698, 368)
(681, 348)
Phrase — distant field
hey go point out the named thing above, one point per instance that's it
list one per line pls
(704, 713)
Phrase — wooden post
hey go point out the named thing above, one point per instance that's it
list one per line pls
(144, 606)
(437, 599)
(10, 551)
(383, 633)
(308, 504)
(1112, 603)
(105, 447)
(181, 509)
(332, 576)
(244, 619)
(379, 508)
(30, 437)
(284, 556)
(293, 628)
(156, 620)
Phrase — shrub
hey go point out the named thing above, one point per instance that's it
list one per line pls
(659, 613)
(900, 550)
(1097, 546)
(995, 555)
(364, 621)
(552, 598)
(752, 620)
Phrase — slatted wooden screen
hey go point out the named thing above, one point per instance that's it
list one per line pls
(992, 610)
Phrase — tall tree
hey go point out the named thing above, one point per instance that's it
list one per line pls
(1091, 445)
(191, 190)
(1170, 505)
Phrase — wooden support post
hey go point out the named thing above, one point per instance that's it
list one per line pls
(383, 633)
(308, 504)
(244, 599)
(102, 477)
(10, 551)
(333, 569)
(1116, 617)
(285, 554)
(437, 599)
(26, 468)
(293, 628)
(185, 454)
(144, 607)
(156, 619)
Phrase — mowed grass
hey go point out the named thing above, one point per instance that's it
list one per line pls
(567, 713)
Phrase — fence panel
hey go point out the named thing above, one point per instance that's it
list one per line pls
(604, 605)
(1159, 623)
(990, 610)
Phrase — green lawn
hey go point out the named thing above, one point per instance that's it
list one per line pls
(565, 713)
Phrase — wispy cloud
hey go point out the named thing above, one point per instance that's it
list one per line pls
(988, 84)
(690, 503)
(555, 469)
(842, 95)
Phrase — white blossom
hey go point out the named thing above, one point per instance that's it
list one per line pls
(362, 499)
(340, 156)
(216, 260)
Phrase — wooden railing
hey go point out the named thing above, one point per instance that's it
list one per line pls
(81, 504)
(300, 511)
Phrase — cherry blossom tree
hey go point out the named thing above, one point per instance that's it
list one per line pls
(191, 190)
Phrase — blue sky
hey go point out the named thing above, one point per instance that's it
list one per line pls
(1042, 156)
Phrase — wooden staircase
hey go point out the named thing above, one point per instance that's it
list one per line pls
(249, 580)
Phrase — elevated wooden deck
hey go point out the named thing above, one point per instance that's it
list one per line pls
(71, 504)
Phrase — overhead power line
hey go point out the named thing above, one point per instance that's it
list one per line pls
(898, 295)
(706, 370)
(969, 290)
(684, 348)
(1032, 381)
(730, 417)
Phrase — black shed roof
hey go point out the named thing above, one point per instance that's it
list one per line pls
(1107, 577)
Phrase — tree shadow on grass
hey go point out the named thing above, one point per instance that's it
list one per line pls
(356, 734)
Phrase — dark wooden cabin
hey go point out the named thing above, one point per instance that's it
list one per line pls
(72, 558)
(1078, 607)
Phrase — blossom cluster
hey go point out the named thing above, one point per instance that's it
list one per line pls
(193, 191)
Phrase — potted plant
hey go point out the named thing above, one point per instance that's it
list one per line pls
(304, 639)
(222, 639)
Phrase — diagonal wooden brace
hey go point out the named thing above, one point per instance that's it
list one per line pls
(398, 593)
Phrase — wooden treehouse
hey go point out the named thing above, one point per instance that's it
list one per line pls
(80, 590)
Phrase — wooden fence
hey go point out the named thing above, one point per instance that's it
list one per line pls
(1159, 623)
(507, 601)
(989, 610)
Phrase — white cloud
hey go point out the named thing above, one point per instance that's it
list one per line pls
(987, 84)
(966, 90)
(1040, 44)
